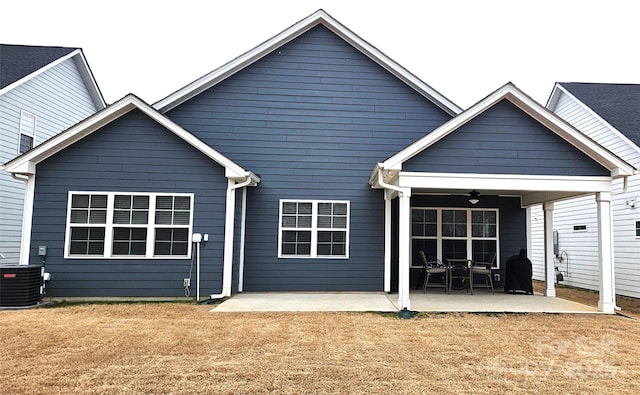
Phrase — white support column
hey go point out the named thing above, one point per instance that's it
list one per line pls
(404, 248)
(606, 303)
(229, 232)
(387, 241)
(549, 264)
(27, 218)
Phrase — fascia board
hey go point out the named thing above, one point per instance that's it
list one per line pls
(116, 110)
(318, 17)
(506, 182)
(570, 134)
(533, 109)
(39, 71)
(396, 161)
(89, 80)
(563, 91)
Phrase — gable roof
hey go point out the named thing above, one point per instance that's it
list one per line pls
(510, 92)
(617, 104)
(20, 63)
(26, 163)
(319, 17)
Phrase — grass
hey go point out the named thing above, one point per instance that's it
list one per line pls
(181, 348)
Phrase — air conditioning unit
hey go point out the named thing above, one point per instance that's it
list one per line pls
(20, 285)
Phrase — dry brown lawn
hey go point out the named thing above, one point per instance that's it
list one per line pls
(180, 348)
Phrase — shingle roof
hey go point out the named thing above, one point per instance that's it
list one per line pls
(618, 104)
(18, 61)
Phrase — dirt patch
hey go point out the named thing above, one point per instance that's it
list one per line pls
(182, 348)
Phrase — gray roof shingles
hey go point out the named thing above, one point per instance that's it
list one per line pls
(618, 104)
(18, 61)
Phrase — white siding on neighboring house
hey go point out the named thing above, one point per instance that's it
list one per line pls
(58, 98)
(579, 248)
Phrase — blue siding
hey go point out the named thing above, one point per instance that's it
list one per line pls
(505, 140)
(312, 119)
(131, 154)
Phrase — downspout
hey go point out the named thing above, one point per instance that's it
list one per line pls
(228, 238)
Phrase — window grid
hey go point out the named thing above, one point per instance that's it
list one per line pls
(454, 233)
(313, 229)
(105, 225)
(27, 132)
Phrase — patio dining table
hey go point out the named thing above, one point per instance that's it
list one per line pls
(458, 273)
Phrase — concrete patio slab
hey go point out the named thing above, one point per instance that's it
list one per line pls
(294, 301)
(429, 302)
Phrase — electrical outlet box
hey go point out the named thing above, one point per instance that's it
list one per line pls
(42, 251)
(186, 282)
(496, 276)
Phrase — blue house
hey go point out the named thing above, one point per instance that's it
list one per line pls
(311, 163)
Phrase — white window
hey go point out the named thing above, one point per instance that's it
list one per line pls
(447, 233)
(128, 225)
(27, 134)
(638, 229)
(313, 229)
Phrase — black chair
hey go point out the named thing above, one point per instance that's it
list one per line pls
(432, 266)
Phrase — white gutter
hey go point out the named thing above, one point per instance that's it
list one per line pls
(228, 237)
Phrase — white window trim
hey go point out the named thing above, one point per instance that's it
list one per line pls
(109, 225)
(314, 229)
(22, 132)
(469, 239)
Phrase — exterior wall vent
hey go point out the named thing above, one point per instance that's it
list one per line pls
(20, 285)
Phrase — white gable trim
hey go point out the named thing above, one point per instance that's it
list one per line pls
(559, 90)
(26, 163)
(83, 68)
(617, 166)
(318, 17)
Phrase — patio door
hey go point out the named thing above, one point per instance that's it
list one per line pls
(460, 233)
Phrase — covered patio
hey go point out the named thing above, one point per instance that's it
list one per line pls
(513, 153)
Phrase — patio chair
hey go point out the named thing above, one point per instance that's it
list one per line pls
(484, 269)
(432, 266)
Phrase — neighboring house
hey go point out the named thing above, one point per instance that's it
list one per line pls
(355, 166)
(43, 91)
(610, 115)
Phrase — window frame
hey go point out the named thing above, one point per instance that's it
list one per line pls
(109, 225)
(314, 229)
(28, 133)
(468, 238)
(637, 229)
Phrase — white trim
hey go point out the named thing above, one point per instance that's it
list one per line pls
(314, 229)
(554, 123)
(558, 90)
(25, 164)
(85, 73)
(109, 225)
(318, 17)
(504, 182)
(469, 237)
(22, 132)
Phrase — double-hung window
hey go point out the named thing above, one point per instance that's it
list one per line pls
(313, 229)
(128, 225)
(27, 133)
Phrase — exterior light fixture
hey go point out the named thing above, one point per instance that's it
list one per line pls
(473, 197)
